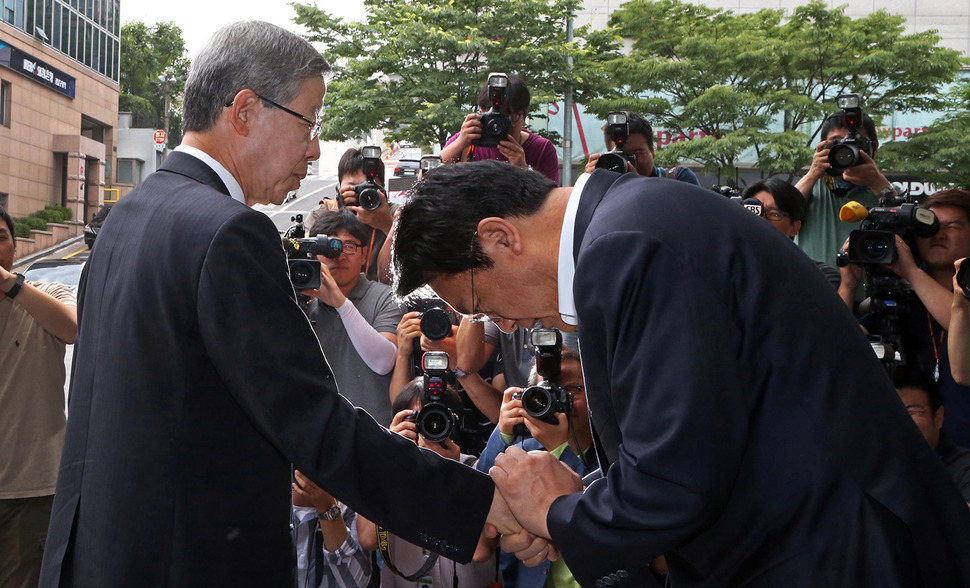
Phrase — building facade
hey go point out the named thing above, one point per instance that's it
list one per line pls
(59, 63)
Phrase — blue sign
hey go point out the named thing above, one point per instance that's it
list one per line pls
(37, 70)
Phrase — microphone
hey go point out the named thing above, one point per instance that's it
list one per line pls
(853, 212)
(754, 205)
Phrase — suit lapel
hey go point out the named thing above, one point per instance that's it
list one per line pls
(596, 187)
(193, 168)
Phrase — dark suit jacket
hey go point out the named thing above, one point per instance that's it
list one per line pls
(197, 381)
(751, 433)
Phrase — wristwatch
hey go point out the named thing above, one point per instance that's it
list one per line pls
(331, 514)
(460, 373)
(18, 284)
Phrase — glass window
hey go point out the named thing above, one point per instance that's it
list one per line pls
(88, 44)
(5, 104)
(129, 171)
(75, 33)
(56, 28)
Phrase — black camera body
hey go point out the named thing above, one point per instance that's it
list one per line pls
(875, 243)
(369, 193)
(846, 153)
(963, 278)
(496, 126)
(544, 400)
(436, 323)
(619, 131)
(436, 421)
(300, 252)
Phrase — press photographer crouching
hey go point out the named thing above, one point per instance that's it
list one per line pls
(910, 290)
(419, 408)
(537, 419)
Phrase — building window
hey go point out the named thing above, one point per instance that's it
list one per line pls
(129, 171)
(5, 103)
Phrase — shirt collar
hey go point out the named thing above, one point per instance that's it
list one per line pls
(235, 190)
(567, 265)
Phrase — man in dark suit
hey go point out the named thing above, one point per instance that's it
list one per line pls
(198, 380)
(744, 426)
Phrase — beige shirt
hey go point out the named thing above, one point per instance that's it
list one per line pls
(31, 399)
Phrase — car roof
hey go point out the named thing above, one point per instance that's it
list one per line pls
(67, 271)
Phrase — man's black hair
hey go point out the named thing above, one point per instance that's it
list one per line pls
(910, 377)
(8, 220)
(332, 222)
(414, 390)
(637, 124)
(787, 197)
(353, 161)
(436, 231)
(836, 120)
(517, 97)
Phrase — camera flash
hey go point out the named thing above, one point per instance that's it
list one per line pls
(370, 151)
(849, 101)
(434, 360)
(616, 118)
(545, 337)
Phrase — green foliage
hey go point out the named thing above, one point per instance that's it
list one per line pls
(415, 67)
(143, 113)
(59, 213)
(49, 216)
(941, 154)
(21, 230)
(146, 53)
(755, 81)
(33, 222)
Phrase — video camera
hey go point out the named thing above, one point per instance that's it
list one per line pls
(369, 193)
(889, 298)
(300, 252)
(845, 153)
(436, 421)
(619, 131)
(544, 400)
(496, 126)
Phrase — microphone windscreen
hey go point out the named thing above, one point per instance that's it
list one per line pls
(853, 212)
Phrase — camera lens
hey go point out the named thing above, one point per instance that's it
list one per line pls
(305, 274)
(536, 401)
(369, 199)
(613, 162)
(844, 155)
(876, 247)
(435, 324)
(435, 422)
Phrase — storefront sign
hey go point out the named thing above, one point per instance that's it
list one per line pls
(37, 70)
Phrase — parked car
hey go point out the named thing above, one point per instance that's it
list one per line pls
(407, 167)
(91, 229)
(66, 271)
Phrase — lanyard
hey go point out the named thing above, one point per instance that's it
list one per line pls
(382, 543)
(936, 346)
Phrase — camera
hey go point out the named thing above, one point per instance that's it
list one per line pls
(436, 421)
(429, 162)
(544, 400)
(369, 193)
(300, 252)
(875, 243)
(496, 126)
(845, 153)
(619, 131)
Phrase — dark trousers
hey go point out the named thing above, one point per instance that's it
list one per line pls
(23, 530)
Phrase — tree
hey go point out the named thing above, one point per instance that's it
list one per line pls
(147, 53)
(939, 155)
(756, 81)
(415, 67)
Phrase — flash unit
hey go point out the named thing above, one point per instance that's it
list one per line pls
(434, 361)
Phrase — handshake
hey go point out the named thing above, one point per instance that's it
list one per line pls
(526, 485)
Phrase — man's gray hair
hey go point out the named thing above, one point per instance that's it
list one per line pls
(253, 55)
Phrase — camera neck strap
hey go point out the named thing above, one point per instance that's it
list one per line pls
(384, 545)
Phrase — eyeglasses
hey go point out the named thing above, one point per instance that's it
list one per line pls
(350, 248)
(476, 317)
(312, 126)
(773, 214)
(574, 389)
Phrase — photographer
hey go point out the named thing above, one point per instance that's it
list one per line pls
(522, 148)
(640, 144)
(570, 440)
(926, 324)
(354, 318)
(350, 173)
(782, 205)
(325, 535)
(406, 557)
(822, 232)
